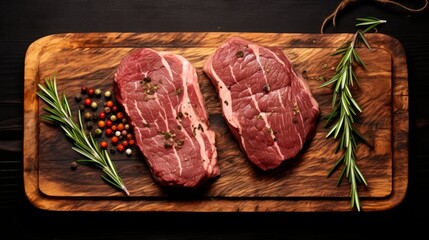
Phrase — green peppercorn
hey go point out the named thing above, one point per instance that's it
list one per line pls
(113, 118)
(98, 132)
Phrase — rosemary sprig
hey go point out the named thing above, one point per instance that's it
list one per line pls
(60, 113)
(345, 108)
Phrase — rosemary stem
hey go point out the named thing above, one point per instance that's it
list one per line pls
(345, 108)
(87, 146)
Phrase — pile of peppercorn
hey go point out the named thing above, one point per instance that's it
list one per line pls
(104, 119)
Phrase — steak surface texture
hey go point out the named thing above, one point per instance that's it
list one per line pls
(268, 106)
(159, 92)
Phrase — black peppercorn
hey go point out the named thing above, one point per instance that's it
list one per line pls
(73, 165)
(78, 97)
(266, 88)
(112, 150)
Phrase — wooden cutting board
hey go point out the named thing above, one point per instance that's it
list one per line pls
(298, 185)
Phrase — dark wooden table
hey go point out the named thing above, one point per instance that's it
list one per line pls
(23, 22)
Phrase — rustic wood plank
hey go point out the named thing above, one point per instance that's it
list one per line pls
(297, 185)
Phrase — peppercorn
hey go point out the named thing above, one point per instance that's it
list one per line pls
(97, 93)
(120, 148)
(124, 143)
(129, 136)
(91, 92)
(87, 116)
(115, 109)
(120, 115)
(266, 88)
(131, 142)
(113, 118)
(109, 132)
(124, 133)
(118, 133)
(83, 89)
(94, 105)
(109, 104)
(94, 117)
(98, 132)
(121, 126)
(112, 150)
(128, 151)
(103, 144)
(101, 124)
(89, 125)
(107, 94)
(102, 115)
(73, 165)
(107, 110)
(109, 123)
(127, 126)
(78, 97)
(114, 140)
(87, 102)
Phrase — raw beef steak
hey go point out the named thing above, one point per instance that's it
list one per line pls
(160, 93)
(267, 105)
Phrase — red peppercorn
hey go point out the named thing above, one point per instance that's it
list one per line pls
(102, 115)
(121, 126)
(91, 92)
(114, 128)
(87, 102)
(109, 104)
(120, 115)
(115, 109)
(125, 143)
(103, 144)
(109, 123)
(83, 89)
(129, 136)
(120, 148)
(131, 142)
(109, 132)
(114, 140)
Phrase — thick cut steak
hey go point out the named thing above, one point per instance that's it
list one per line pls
(267, 105)
(160, 93)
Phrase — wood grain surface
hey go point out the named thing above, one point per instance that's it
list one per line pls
(298, 185)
